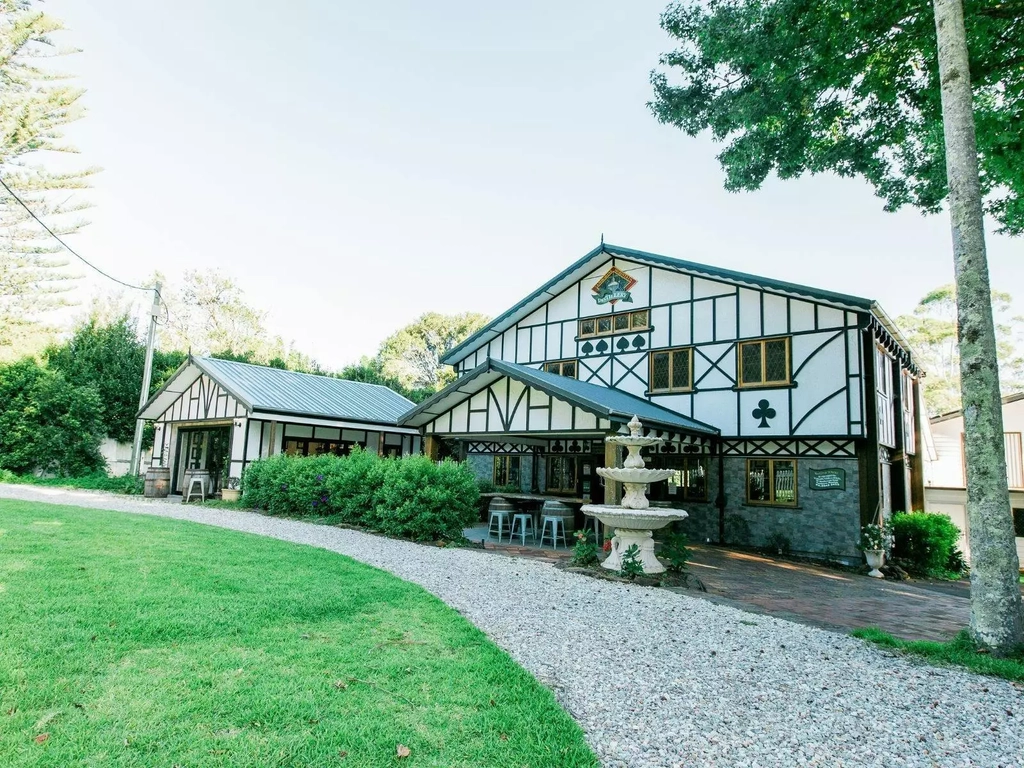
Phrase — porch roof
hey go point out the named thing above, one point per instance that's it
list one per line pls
(612, 404)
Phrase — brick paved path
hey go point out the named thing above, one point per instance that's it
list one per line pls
(809, 594)
(831, 598)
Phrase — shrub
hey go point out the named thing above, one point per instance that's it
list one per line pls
(422, 500)
(411, 497)
(48, 424)
(585, 550)
(675, 552)
(631, 566)
(923, 542)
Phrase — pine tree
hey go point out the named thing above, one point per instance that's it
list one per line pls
(35, 104)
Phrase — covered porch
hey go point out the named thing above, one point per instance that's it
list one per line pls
(540, 436)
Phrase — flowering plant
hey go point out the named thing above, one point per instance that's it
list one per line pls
(875, 536)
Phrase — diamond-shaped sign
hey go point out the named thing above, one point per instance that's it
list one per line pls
(613, 287)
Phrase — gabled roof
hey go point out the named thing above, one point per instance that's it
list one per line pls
(1007, 399)
(604, 402)
(272, 390)
(585, 265)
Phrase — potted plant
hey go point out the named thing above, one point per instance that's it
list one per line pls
(231, 491)
(875, 541)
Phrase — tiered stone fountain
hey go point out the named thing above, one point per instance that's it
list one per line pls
(634, 520)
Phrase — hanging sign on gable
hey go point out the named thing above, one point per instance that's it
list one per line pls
(613, 287)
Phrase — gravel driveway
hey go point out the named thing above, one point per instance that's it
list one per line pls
(661, 679)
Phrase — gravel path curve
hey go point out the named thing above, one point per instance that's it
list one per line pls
(710, 685)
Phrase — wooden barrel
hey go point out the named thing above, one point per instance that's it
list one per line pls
(552, 508)
(158, 482)
(500, 504)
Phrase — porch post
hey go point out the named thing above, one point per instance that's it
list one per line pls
(612, 490)
(273, 435)
(431, 447)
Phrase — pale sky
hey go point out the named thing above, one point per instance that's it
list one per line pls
(353, 165)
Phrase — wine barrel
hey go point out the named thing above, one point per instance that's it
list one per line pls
(158, 482)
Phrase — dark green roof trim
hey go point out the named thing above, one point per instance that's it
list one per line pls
(613, 251)
(604, 402)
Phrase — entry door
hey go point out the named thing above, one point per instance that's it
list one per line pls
(207, 449)
(885, 482)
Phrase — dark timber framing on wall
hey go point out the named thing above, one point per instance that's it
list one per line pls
(622, 360)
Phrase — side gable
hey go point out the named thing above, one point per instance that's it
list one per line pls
(204, 399)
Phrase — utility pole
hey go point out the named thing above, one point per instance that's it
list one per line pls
(146, 376)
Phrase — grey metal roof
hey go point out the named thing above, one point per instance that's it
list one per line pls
(279, 391)
(613, 404)
(272, 390)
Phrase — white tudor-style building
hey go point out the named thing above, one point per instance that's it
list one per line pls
(218, 415)
(791, 411)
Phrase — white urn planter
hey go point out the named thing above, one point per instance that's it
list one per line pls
(876, 559)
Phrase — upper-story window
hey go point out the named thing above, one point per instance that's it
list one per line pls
(764, 362)
(562, 368)
(672, 370)
(640, 320)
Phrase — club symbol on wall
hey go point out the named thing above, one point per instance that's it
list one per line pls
(764, 411)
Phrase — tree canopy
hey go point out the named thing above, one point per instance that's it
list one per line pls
(35, 104)
(47, 423)
(108, 358)
(849, 87)
(932, 333)
(208, 314)
(412, 355)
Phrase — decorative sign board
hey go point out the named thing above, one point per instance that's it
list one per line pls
(828, 479)
(613, 287)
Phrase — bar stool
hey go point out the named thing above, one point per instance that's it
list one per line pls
(501, 511)
(525, 521)
(557, 530)
(192, 483)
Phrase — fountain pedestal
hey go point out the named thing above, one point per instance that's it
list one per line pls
(634, 520)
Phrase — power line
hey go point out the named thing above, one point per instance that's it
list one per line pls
(71, 250)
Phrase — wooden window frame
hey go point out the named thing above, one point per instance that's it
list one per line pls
(632, 325)
(772, 502)
(549, 463)
(650, 370)
(509, 458)
(762, 384)
(560, 364)
(664, 461)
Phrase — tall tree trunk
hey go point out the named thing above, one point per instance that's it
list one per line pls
(996, 619)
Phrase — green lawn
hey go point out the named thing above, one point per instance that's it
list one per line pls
(136, 641)
(960, 651)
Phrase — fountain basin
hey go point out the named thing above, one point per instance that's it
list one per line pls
(633, 526)
(649, 519)
(640, 442)
(635, 475)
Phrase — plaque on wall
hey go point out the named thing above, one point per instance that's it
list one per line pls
(828, 479)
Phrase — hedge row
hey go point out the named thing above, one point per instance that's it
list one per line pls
(411, 497)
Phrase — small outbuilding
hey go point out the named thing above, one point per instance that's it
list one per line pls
(217, 416)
